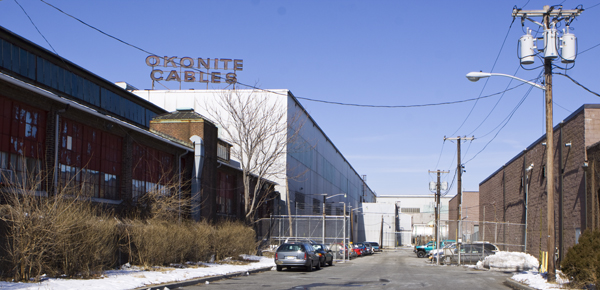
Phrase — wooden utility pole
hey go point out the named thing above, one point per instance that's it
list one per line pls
(459, 168)
(438, 212)
(459, 172)
(551, 16)
(549, 158)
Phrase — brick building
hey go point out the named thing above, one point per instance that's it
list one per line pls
(63, 125)
(516, 192)
(469, 216)
(222, 186)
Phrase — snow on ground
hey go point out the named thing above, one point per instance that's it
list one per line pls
(536, 280)
(527, 266)
(133, 277)
(510, 261)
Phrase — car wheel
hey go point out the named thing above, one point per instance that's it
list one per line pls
(447, 260)
(279, 268)
(420, 254)
(309, 267)
(330, 263)
(322, 263)
(319, 265)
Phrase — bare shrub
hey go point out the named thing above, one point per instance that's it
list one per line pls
(60, 234)
(231, 239)
(202, 233)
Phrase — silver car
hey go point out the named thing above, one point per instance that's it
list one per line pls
(470, 253)
(296, 255)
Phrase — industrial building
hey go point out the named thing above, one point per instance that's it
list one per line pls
(415, 216)
(316, 173)
(516, 194)
(63, 126)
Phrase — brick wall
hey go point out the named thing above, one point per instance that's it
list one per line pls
(503, 199)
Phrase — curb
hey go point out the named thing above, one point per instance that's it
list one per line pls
(516, 285)
(172, 285)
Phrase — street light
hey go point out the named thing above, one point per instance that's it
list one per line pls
(547, 88)
(325, 197)
(344, 237)
(475, 76)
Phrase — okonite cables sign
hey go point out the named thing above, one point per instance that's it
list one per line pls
(186, 64)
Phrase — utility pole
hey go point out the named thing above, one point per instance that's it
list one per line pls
(459, 168)
(324, 197)
(437, 210)
(550, 53)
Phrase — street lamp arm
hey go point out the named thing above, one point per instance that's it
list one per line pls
(336, 195)
(475, 76)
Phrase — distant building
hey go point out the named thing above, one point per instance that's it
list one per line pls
(421, 209)
(469, 217)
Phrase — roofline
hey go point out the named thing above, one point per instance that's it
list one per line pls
(63, 61)
(327, 138)
(252, 174)
(78, 106)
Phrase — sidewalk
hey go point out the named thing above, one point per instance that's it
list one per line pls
(136, 278)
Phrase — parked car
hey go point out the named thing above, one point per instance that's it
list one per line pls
(469, 253)
(370, 250)
(424, 249)
(342, 250)
(325, 254)
(363, 249)
(296, 255)
(374, 245)
(435, 253)
(358, 250)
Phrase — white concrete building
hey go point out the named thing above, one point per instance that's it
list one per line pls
(421, 209)
(314, 167)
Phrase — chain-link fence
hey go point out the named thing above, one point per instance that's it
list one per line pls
(507, 236)
(280, 228)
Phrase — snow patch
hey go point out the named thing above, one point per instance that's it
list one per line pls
(130, 277)
(509, 261)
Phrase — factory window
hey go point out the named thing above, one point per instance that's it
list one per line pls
(90, 160)
(22, 136)
(152, 171)
(225, 193)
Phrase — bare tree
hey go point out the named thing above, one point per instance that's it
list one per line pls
(260, 129)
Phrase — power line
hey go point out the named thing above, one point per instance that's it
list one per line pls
(505, 123)
(486, 81)
(577, 83)
(302, 98)
(94, 28)
(495, 105)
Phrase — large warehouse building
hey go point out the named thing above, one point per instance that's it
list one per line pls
(314, 168)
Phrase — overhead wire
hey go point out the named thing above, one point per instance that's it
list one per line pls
(278, 93)
(505, 123)
(493, 108)
(577, 83)
(485, 84)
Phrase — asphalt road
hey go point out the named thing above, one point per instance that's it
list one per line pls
(397, 269)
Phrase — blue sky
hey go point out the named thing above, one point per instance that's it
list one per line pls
(361, 52)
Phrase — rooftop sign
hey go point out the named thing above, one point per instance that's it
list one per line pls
(194, 70)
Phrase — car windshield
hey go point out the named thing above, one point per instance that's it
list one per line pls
(317, 247)
(290, 248)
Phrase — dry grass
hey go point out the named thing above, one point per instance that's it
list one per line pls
(61, 234)
(66, 235)
(231, 239)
